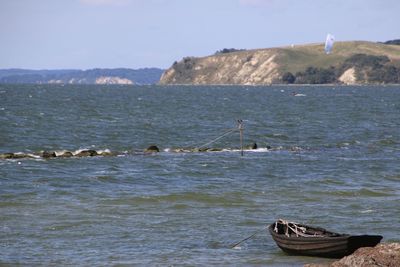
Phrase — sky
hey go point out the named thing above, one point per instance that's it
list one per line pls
(85, 34)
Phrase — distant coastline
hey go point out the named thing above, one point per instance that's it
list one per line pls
(91, 76)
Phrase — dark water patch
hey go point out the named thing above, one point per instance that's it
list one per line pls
(277, 136)
(180, 206)
(226, 199)
(363, 193)
(388, 142)
(331, 181)
(217, 245)
(68, 225)
(395, 177)
(105, 179)
(14, 204)
(249, 223)
(347, 144)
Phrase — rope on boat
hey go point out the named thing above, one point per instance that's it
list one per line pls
(247, 238)
(294, 227)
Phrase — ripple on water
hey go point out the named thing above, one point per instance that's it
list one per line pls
(363, 192)
(190, 198)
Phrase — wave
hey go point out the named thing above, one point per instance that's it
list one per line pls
(183, 200)
(363, 192)
(57, 154)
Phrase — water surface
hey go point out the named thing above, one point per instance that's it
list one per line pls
(334, 162)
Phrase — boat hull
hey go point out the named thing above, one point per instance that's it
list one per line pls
(331, 246)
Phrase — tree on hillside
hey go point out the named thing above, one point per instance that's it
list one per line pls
(228, 50)
(373, 69)
(385, 74)
(288, 77)
(363, 60)
(393, 42)
(314, 75)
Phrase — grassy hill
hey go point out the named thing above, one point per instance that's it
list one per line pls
(299, 58)
(358, 61)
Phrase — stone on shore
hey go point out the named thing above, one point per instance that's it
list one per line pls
(385, 254)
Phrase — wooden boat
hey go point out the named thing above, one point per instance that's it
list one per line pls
(299, 239)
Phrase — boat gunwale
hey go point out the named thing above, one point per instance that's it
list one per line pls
(336, 236)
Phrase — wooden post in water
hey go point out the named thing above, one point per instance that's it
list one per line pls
(240, 126)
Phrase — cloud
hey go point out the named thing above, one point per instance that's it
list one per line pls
(105, 2)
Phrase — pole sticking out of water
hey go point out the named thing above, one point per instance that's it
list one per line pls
(298, 148)
(240, 126)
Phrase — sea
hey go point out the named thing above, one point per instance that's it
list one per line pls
(326, 156)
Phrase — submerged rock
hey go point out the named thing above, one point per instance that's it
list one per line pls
(214, 149)
(152, 149)
(48, 154)
(179, 150)
(7, 156)
(66, 154)
(385, 254)
(57, 154)
(105, 153)
(18, 155)
(87, 153)
(22, 156)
